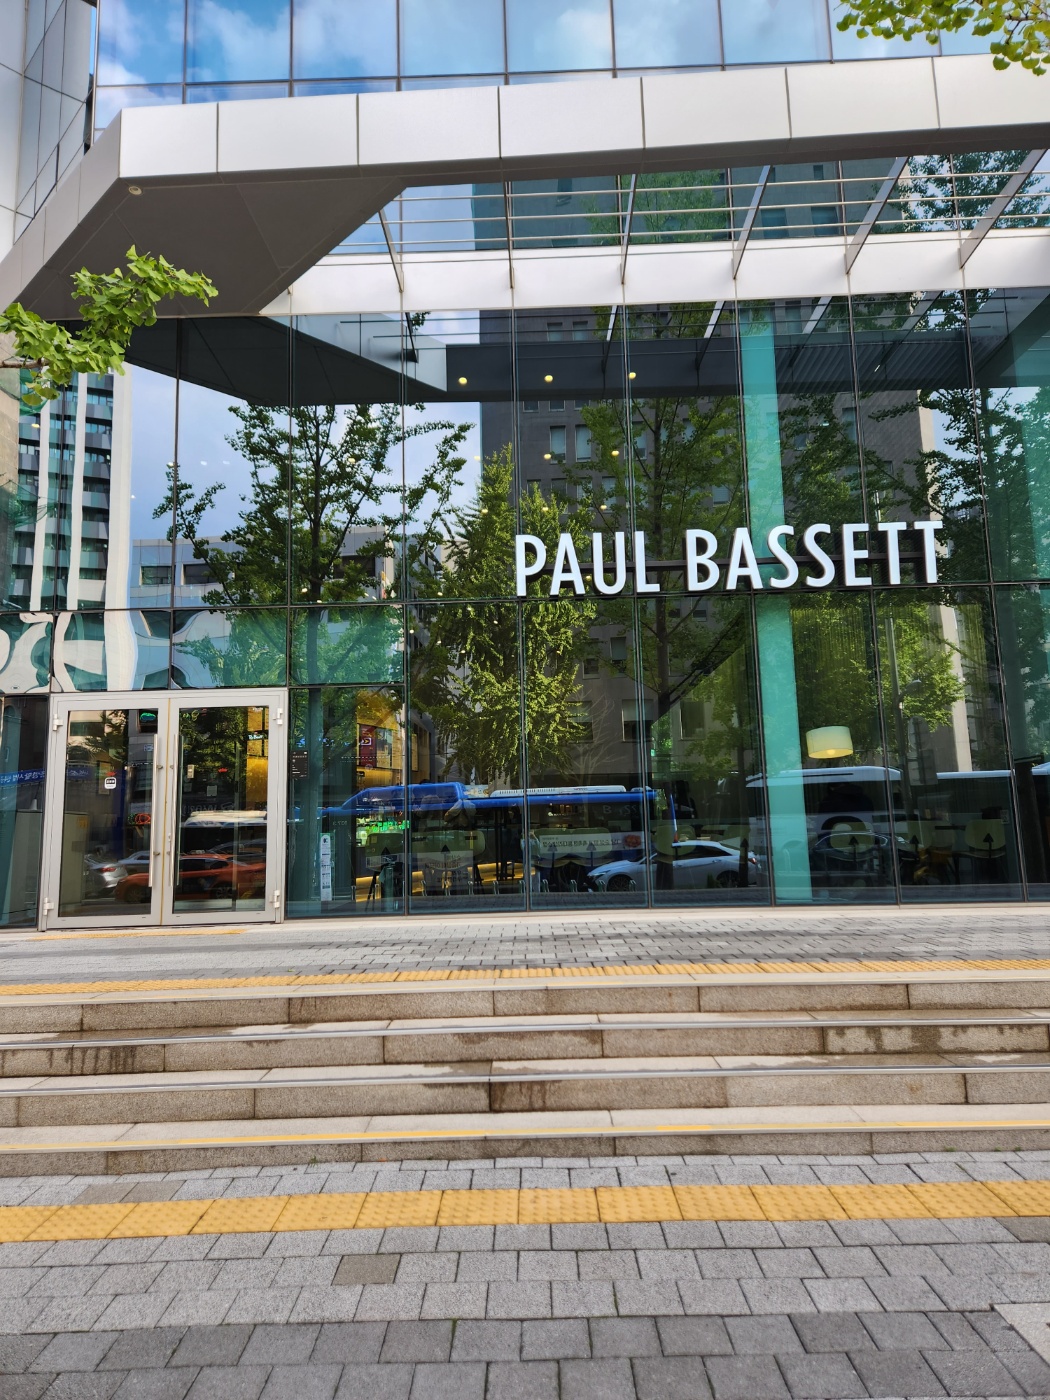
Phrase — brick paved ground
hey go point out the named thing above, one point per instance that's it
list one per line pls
(556, 939)
(737, 1310)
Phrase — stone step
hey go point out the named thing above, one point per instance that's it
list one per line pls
(131, 1146)
(458, 1039)
(598, 992)
(547, 1085)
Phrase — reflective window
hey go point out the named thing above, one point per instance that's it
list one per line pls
(953, 801)
(141, 41)
(231, 502)
(346, 803)
(465, 797)
(1012, 373)
(667, 33)
(227, 41)
(23, 744)
(228, 649)
(546, 35)
(451, 36)
(1024, 637)
(347, 646)
(774, 31)
(344, 38)
(110, 100)
(112, 650)
(25, 652)
(709, 843)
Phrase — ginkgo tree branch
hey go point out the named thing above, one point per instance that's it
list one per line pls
(1018, 30)
(112, 305)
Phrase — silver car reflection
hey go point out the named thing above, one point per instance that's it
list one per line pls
(696, 865)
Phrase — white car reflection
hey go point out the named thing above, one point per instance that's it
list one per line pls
(696, 865)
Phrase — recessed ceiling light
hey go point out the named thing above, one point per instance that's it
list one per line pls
(462, 379)
(134, 189)
(548, 379)
(632, 375)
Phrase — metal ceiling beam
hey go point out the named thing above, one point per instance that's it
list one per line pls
(875, 208)
(998, 206)
(627, 221)
(740, 246)
(395, 256)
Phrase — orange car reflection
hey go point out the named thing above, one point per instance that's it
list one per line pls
(201, 876)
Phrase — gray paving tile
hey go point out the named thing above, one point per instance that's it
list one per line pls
(142, 1348)
(229, 1383)
(970, 1372)
(455, 1300)
(302, 1383)
(821, 1377)
(896, 1373)
(523, 1380)
(762, 1336)
(718, 1297)
(386, 1302)
(519, 1300)
(729, 1263)
(694, 1336)
(417, 1341)
(622, 1336)
(546, 1264)
(172, 1384)
(597, 1380)
(591, 1298)
(788, 1263)
(667, 1264)
(607, 1264)
(841, 1294)
(498, 1267)
(73, 1351)
(842, 1331)
(669, 1378)
(211, 1346)
(555, 1340)
(459, 1380)
(1028, 1368)
(77, 1386)
(780, 1295)
(745, 1378)
(905, 1294)
(375, 1383)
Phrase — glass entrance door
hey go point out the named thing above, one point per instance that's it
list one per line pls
(171, 812)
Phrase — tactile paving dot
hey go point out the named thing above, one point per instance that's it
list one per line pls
(717, 1203)
(879, 1202)
(337, 1210)
(385, 1209)
(80, 1223)
(478, 1208)
(159, 1218)
(16, 1222)
(557, 1206)
(623, 1204)
(948, 1199)
(798, 1203)
(1023, 1197)
(244, 1216)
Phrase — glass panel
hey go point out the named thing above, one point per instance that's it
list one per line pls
(226, 41)
(346, 803)
(140, 41)
(23, 745)
(451, 36)
(107, 812)
(348, 39)
(835, 773)
(222, 805)
(918, 431)
(459, 468)
(774, 31)
(465, 794)
(585, 725)
(112, 651)
(25, 652)
(666, 33)
(347, 646)
(944, 717)
(231, 547)
(1011, 361)
(1024, 636)
(549, 34)
(708, 830)
(212, 649)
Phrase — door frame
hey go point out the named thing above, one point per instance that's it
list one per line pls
(168, 704)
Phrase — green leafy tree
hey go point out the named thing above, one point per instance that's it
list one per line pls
(1018, 30)
(465, 674)
(112, 306)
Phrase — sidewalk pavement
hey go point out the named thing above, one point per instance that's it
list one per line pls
(559, 938)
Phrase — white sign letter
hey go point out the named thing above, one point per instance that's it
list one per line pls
(926, 529)
(566, 567)
(693, 560)
(892, 530)
(742, 560)
(850, 556)
(522, 571)
(641, 583)
(620, 563)
(780, 554)
(809, 540)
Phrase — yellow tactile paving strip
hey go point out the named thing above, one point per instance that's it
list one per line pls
(612, 1204)
(297, 981)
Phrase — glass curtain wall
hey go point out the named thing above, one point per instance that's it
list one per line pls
(737, 674)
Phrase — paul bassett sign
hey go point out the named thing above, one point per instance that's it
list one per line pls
(706, 565)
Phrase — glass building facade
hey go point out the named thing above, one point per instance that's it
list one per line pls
(323, 513)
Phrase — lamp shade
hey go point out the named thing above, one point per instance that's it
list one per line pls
(830, 741)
